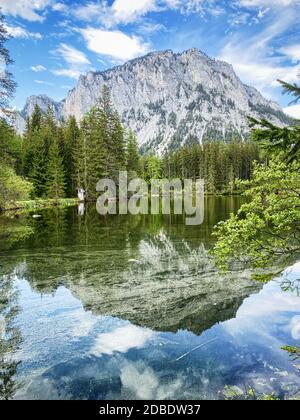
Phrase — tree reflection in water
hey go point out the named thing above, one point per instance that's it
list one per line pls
(10, 338)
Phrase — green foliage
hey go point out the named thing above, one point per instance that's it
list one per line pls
(10, 146)
(101, 147)
(38, 166)
(232, 393)
(294, 352)
(219, 164)
(40, 204)
(41, 134)
(13, 231)
(70, 135)
(293, 89)
(48, 154)
(55, 186)
(12, 187)
(266, 228)
(279, 140)
(89, 154)
(152, 168)
(31, 137)
(7, 84)
(59, 158)
(133, 156)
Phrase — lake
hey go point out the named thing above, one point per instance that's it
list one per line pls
(131, 307)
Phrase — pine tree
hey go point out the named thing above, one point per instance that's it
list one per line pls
(7, 84)
(40, 139)
(275, 139)
(119, 147)
(101, 148)
(89, 154)
(218, 163)
(71, 138)
(55, 177)
(50, 129)
(38, 168)
(33, 125)
(292, 89)
(36, 119)
(105, 113)
(133, 155)
(154, 168)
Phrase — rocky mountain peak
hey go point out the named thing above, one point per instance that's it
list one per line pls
(169, 99)
(43, 101)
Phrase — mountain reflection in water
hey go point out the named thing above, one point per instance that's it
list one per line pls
(109, 303)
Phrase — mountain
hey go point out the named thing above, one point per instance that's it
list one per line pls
(170, 99)
(43, 102)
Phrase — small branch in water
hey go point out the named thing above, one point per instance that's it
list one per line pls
(196, 348)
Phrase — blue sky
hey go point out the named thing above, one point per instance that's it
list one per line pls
(57, 40)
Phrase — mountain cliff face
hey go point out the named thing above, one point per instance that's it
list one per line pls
(171, 99)
(43, 102)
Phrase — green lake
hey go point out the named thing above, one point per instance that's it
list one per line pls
(131, 307)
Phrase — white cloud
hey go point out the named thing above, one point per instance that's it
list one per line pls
(125, 11)
(76, 60)
(121, 11)
(144, 384)
(292, 51)
(19, 32)
(27, 9)
(295, 328)
(59, 7)
(71, 73)
(150, 28)
(39, 68)
(71, 55)
(268, 304)
(293, 111)
(255, 60)
(270, 3)
(43, 82)
(121, 340)
(84, 321)
(91, 12)
(114, 44)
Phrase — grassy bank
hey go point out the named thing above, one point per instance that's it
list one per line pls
(40, 204)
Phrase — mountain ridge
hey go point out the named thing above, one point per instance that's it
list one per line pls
(170, 99)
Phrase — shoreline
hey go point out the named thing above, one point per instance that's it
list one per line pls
(39, 204)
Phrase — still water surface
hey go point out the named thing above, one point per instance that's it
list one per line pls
(131, 307)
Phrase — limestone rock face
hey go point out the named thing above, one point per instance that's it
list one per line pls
(171, 99)
(43, 102)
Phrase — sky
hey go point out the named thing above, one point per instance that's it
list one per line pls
(54, 41)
